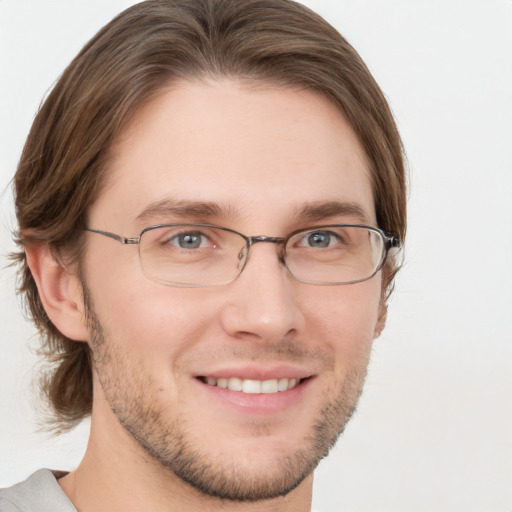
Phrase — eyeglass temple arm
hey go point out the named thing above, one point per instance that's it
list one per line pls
(118, 238)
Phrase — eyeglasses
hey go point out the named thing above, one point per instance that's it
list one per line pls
(192, 255)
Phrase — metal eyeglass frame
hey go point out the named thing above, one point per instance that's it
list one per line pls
(390, 242)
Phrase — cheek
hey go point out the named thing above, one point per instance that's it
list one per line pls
(150, 326)
(152, 315)
(345, 318)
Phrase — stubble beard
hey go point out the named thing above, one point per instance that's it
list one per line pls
(167, 442)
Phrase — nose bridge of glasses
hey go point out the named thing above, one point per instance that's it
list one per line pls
(279, 241)
(261, 238)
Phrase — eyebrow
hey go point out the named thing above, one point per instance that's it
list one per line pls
(207, 210)
(323, 210)
(187, 209)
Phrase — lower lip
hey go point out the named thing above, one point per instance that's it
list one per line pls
(257, 403)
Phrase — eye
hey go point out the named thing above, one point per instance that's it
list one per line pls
(320, 239)
(189, 240)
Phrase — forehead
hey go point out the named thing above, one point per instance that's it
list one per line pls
(260, 152)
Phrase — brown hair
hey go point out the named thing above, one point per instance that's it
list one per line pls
(130, 60)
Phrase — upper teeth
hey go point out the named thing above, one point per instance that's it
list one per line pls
(253, 386)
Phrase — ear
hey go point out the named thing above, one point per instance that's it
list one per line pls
(381, 320)
(59, 290)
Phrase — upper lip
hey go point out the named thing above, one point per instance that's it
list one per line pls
(251, 372)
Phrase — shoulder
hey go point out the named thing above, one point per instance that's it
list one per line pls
(40, 492)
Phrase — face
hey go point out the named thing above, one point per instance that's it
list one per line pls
(263, 161)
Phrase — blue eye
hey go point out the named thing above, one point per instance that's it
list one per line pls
(321, 239)
(192, 240)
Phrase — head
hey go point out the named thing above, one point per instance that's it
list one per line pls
(153, 58)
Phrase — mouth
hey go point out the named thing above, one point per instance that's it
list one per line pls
(252, 386)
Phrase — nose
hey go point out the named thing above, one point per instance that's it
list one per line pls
(263, 303)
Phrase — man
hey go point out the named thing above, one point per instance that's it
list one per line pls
(209, 205)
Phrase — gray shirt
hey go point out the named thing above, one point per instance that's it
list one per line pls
(40, 492)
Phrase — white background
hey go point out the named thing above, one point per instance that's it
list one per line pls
(434, 428)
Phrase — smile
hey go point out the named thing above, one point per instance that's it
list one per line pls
(252, 386)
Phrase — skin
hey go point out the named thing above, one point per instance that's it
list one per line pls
(261, 154)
